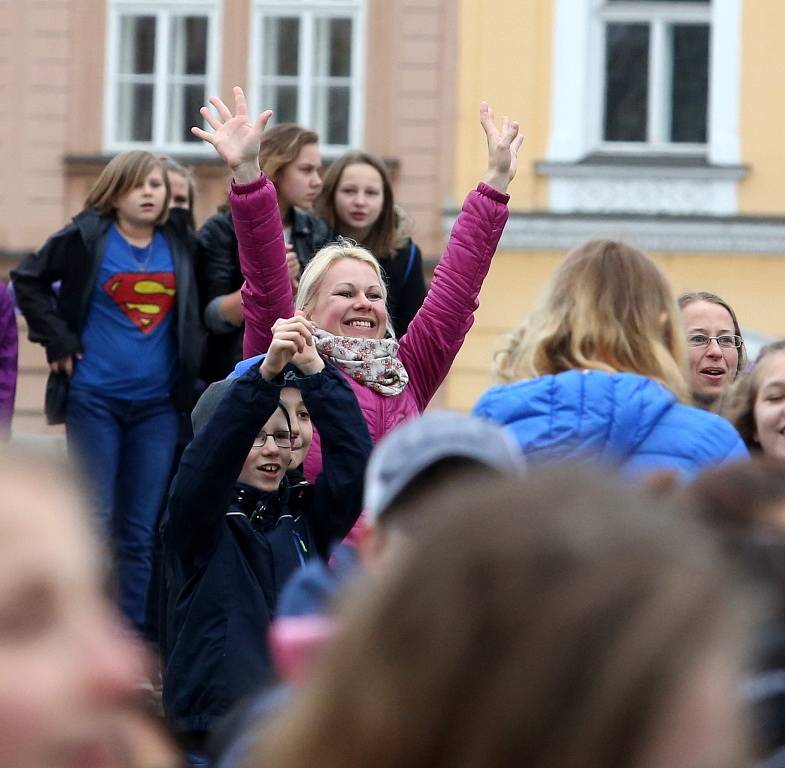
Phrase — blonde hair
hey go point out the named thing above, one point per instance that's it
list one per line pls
(120, 175)
(608, 308)
(314, 272)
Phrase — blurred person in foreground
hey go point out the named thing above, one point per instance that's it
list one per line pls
(553, 620)
(745, 504)
(69, 669)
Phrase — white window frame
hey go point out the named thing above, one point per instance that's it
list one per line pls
(308, 11)
(163, 12)
(579, 70)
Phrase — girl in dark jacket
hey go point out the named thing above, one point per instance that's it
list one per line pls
(123, 341)
(357, 202)
(289, 156)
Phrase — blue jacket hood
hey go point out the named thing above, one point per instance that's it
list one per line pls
(621, 418)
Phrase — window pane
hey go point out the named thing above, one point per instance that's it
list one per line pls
(334, 47)
(333, 114)
(282, 99)
(183, 112)
(626, 82)
(137, 45)
(690, 82)
(188, 45)
(135, 112)
(281, 49)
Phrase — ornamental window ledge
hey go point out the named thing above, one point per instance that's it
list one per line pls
(676, 185)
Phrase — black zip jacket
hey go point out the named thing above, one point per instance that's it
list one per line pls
(73, 255)
(231, 548)
(219, 274)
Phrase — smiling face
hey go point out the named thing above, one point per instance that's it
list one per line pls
(68, 670)
(359, 199)
(266, 464)
(141, 205)
(350, 301)
(299, 183)
(712, 368)
(300, 419)
(769, 408)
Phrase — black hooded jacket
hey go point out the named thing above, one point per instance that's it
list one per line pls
(230, 548)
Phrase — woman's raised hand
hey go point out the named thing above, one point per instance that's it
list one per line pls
(503, 148)
(234, 137)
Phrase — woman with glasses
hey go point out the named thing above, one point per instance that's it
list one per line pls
(715, 347)
(598, 372)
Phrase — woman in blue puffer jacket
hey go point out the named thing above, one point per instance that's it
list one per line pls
(598, 372)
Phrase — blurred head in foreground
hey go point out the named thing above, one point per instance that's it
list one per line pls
(551, 620)
(68, 670)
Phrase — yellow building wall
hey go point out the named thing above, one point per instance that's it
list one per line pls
(751, 283)
(504, 58)
(762, 115)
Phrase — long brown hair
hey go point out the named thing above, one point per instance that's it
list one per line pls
(608, 307)
(120, 175)
(281, 145)
(379, 240)
(548, 621)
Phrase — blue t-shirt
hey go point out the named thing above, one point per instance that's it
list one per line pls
(128, 342)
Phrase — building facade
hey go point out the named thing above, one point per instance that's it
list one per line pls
(656, 121)
(653, 122)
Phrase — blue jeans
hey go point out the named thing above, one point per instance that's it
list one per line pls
(125, 449)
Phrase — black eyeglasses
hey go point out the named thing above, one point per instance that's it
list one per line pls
(280, 437)
(726, 341)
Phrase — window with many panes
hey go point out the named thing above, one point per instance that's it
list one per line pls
(306, 66)
(162, 61)
(654, 89)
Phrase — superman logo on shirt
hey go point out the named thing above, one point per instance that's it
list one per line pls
(145, 297)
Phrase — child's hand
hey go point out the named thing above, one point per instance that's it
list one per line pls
(503, 148)
(292, 342)
(235, 139)
(308, 361)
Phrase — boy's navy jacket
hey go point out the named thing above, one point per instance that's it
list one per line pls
(229, 570)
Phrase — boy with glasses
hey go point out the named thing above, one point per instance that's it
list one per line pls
(235, 532)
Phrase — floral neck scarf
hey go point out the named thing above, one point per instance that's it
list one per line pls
(373, 362)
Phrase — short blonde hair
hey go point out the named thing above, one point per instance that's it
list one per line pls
(314, 272)
(609, 308)
(120, 175)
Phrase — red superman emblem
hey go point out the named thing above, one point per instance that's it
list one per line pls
(146, 297)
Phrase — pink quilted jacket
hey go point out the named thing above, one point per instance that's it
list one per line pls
(435, 334)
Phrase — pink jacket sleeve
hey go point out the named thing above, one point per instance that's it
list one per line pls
(267, 292)
(437, 331)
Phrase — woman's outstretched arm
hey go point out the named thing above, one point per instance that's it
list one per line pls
(437, 331)
(267, 292)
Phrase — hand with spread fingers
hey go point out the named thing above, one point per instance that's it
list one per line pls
(293, 342)
(503, 146)
(234, 137)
